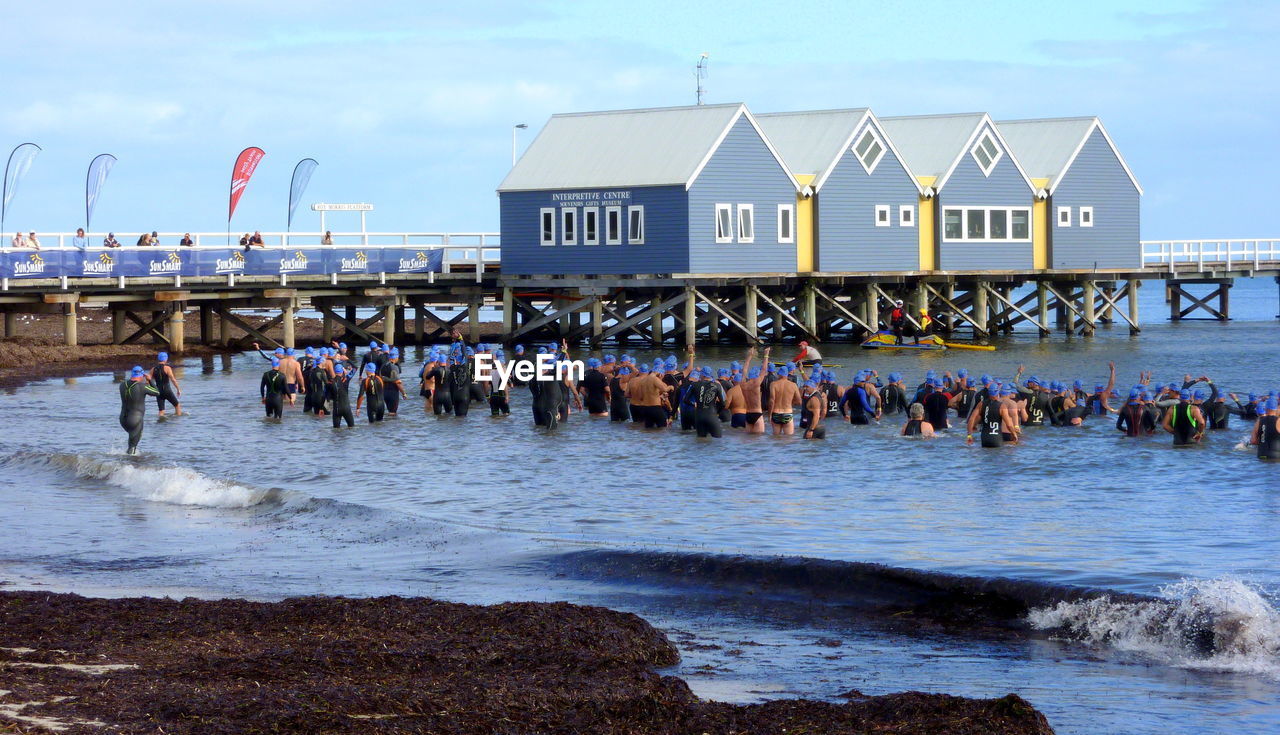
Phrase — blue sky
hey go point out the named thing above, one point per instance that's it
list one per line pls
(409, 105)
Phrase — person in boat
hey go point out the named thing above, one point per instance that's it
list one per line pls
(807, 354)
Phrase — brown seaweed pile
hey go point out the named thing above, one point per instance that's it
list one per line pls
(393, 665)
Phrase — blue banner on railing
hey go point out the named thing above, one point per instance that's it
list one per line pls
(190, 262)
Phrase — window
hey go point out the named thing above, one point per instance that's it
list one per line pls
(746, 223)
(986, 224)
(568, 226)
(612, 225)
(869, 150)
(906, 216)
(591, 226)
(986, 153)
(548, 227)
(724, 223)
(635, 225)
(882, 215)
(951, 228)
(1086, 216)
(786, 223)
(1064, 216)
(1021, 224)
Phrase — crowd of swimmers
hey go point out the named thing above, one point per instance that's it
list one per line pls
(753, 395)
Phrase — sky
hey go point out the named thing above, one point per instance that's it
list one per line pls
(410, 105)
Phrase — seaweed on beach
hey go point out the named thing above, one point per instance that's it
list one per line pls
(392, 665)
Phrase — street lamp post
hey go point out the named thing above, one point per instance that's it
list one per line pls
(519, 126)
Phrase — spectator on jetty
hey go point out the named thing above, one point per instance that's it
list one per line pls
(256, 240)
(80, 241)
(33, 241)
(110, 241)
(144, 240)
(187, 241)
(327, 239)
(18, 241)
(155, 238)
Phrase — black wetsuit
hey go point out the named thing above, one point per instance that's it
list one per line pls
(1217, 415)
(708, 400)
(913, 427)
(390, 374)
(272, 390)
(766, 389)
(313, 401)
(832, 393)
(1037, 408)
(1135, 420)
(726, 385)
(676, 381)
(133, 407)
(1269, 437)
(498, 403)
(1183, 424)
(375, 395)
(893, 399)
(968, 399)
(935, 410)
(595, 384)
(619, 409)
(163, 386)
(547, 399)
(989, 425)
(338, 391)
(458, 383)
(441, 399)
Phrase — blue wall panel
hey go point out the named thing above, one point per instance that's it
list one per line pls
(1097, 179)
(967, 186)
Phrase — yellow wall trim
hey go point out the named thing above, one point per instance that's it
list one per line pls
(925, 223)
(1040, 234)
(805, 260)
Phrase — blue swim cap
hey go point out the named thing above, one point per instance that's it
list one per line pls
(810, 384)
(754, 372)
(310, 350)
(1009, 391)
(773, 368)
(280, 351)
(721, 373)
(1185, 395)
(1098, 388)
(930, 375)
(137, 371)
(1146, 396)
(1134, 393)
(784, 371)
(593, 363)
(986, 379)
(791, 366)
(1273, 404)
(610, 359)
(369, 368)
(342, 345)
(895, 377)
(659, 364)
(395, 352)
(469, 352)
(624, 371)
(816, 366)
(290, 352)
(737, 377)
(627, 358)
(162, 356)
(1197, 394)
(735, 365)
(275, 362)
(1253, 397)
(963, 373)
(644, 368)
(684, 366)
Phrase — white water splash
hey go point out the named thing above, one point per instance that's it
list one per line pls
(174, 485)
(1218, 624)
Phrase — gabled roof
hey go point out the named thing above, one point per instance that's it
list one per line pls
(663, 146)
(812, 142)
(935, 144)
(1048, 146)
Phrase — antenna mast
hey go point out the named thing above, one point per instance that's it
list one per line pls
(701, 73)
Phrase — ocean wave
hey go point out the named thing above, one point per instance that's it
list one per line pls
(174, 485)
(1223, 624)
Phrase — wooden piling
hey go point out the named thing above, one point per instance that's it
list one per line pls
(177, 328)
(288, 324)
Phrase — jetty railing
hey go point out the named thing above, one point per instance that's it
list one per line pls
(1202, 255)
(282, 254)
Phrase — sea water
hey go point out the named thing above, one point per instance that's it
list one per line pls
(1150, 572)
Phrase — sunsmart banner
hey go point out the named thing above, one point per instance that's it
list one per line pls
(31, 264)
(411, 260)
(190, 262)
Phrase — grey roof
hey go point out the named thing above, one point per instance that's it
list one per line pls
(1045, 146)
(931, 143)
(810, 141)
(593, 150)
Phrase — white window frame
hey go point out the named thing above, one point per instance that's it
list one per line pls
(724, 228)
(869, 167)
(631, 210)
(614, 237)
(587, 238)
(750, 211)
(788, 236)
(907, 215)
(548, 237)
(986, 225)
(1064, 211)
(1089, 221)
(882, 209)
(986, 136)
(569, 233)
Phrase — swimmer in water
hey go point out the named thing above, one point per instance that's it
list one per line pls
(373, 388)
(393, 386)
(272, 390)
(1185, 421)
(339, 394)
(595, 389)
(133, 405)
(916, 425)
(166, 383)
(1266, 430)
(813, 411)
(708, 399)
(1133, 418)
(784, 396)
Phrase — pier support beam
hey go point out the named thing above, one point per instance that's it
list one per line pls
(117, 326)
(751, 314)
(10, 324)
(70, 325)
(206, 324)
(597, 320)
(177, 328)
(287, 314)
(224, 330)
(980, 306)
(810, 309)
(690, 316)
(871, 305)
(1133, 306)
(326, 328)
(508, 312)
(1090, 312)
(1042, 307)
(389, 322)
(473, 320)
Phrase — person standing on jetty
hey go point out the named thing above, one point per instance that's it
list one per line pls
(133, 405)
(166, 384)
